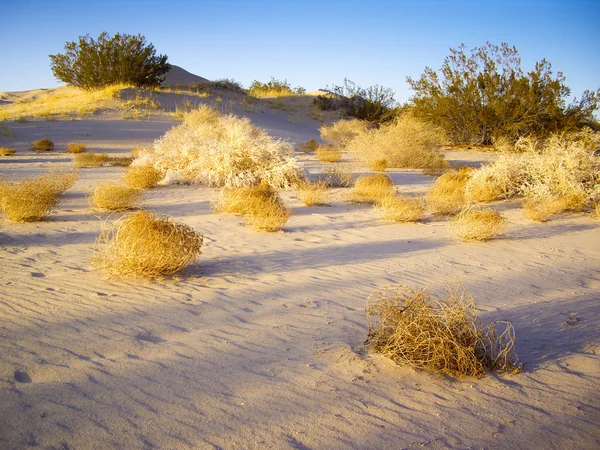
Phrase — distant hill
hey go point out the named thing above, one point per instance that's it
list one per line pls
(177, 75)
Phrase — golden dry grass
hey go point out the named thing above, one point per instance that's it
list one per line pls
(478, 224)
(447, 196)
(33, 199)
(43, 145)
(142, 177)
(76, 147)
(328, 153)
(267, 216)
(378, 165)
(597, 210)
(114, 197)
(372, 189)
(309, 146)
(143, 244)
(84, 160)
(339, 134)
(439, 332)
(401, 208)
(119, 161)
(337, 175)
(313, 193)
(542, 209)
(5, 151)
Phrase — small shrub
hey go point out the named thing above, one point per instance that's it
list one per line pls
(406, 143)
(85, 160)
(76, 147)
(542, 209)
(401, 208)
(313, 194)
(33, 199)
(447, 196)
(267, 216)
(438, 332)
(273, 88)
(43, 145)
(143, 177)
(339, 176)
(379, 165)
(119, 161)
(115, 197)
(341, 133)
(309, 146)
(478, 224)
(5, 151)
(144, 244)
(328, 154)
(372, 188)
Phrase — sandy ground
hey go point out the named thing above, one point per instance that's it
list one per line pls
(259, 344)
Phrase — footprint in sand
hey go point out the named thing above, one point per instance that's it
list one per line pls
(22, 377)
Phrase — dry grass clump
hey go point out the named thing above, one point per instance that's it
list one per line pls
(43, 145)
(542, 209)
(402, 208)
(313, 193)
(144, 244)
(597, 210)
(339, 176)
(84, 160)
(260, 205)
(339, 134)
(119, 161)
(115, 197)
(438, 332)
(328, 153)
(478, 224)
(5, 151)
(33, 199)
(143, 177)
(309, 146)
(372, 188)
(407, 143)
(447, 196)
(222, 150)
(76, 147)
(379, 165)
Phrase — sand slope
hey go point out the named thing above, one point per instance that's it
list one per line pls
(260, 343)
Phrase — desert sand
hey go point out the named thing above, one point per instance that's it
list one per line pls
(259, 343)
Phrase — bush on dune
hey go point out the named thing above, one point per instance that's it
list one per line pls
(401, 208)
(340, 134)
(222, 150)
(447, 196)
(372, 189)
(478, 224)
(115, 197)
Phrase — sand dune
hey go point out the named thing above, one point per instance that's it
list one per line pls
(259, 344)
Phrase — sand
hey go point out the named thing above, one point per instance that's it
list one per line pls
(259, 344)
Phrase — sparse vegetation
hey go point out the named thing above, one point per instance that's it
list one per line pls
(438, 332)
(121, 59)
(447, 196)
(379, 165)
(6, 131)
(313, 193)
(143, 244)
(76, 147)
(115, 197)
(6, 151)
(337, 175)
(372, 189)
(328, 153)
(85, 160)
(143, 176)
(33, 199)
(309, 146)
(274, 88)
(478, 224)
(340, 133)
(406, 143)
(43, 145)
(222, 150)
(401, 208)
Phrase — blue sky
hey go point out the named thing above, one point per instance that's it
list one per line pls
(310, 43)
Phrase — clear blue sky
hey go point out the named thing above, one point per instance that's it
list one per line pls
(309, 43)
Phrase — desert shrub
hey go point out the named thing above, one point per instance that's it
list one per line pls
(447, 196)
(477, 96)
(313, 193)
(340, 133)
(500, 179)
(372, 188)
(439, 332)
(43, 145)
(379, 165)
(267, 216)
(75, 147)
(33, 199)
(406, 143)
(228, 84)
(115, 197)
(119, 161)
(83, 160)
(309, 146)
(597, 210)
(143, 244)
(120, 59)
(401, 208)
(143, 177)
(328, 153)
(274, 88)
(5, 151)
(222, 150)
(478, 224)
(542, 209)
(337, 175)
